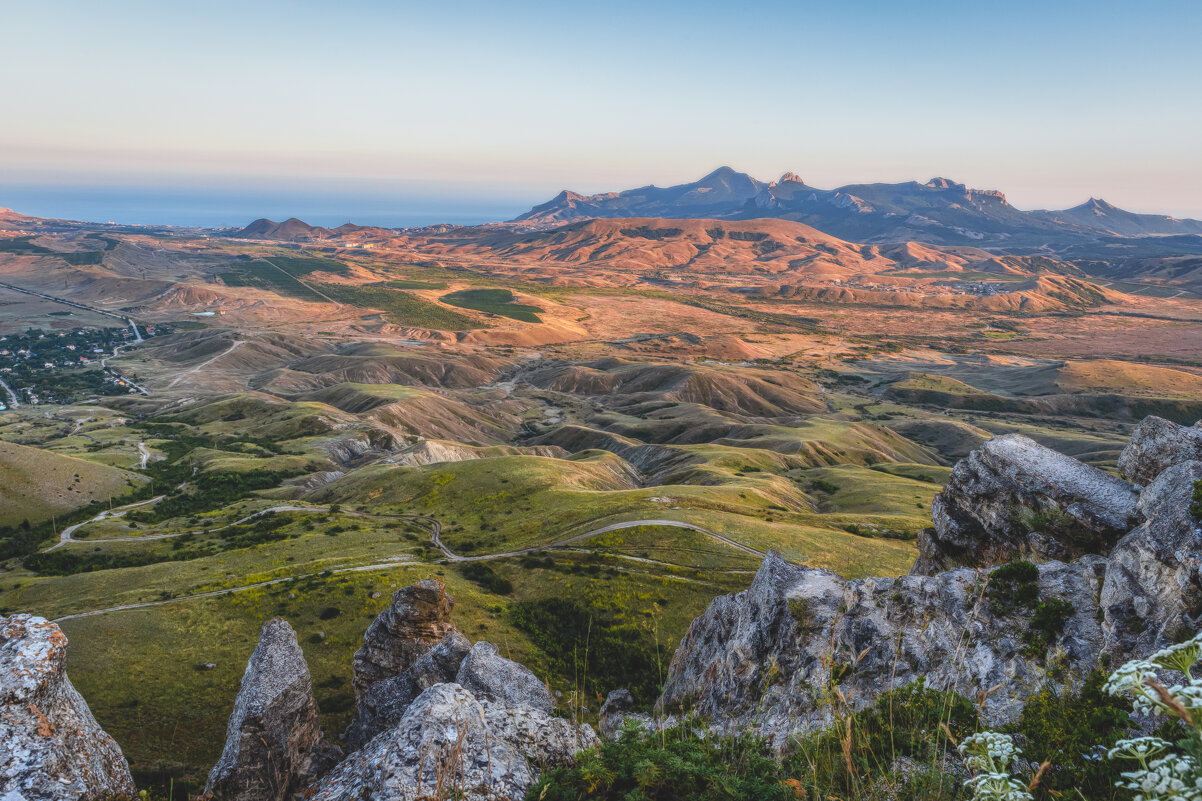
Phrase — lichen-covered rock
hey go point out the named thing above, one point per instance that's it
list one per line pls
(449, 744)
(764, 656)
(383, 704)
(613, 712)
(487, 674)
(51, 748)
(617, 711)
(1013, 498)
(1157, 444)
(419, 616)
(273, 743)
(1153, 588)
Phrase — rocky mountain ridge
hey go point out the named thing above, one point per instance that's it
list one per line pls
(939, 211)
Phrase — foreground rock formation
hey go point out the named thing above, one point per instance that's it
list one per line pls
(436, 717)
(772, 656)
(50, 745)
(1157, 444)
(419, 616)
(273, 743)
(451, 744)
(1013, 498)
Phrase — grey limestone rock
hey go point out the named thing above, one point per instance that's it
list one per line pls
(383, 704)
(51, 748)
(1013, 498)
(450, 744)
(419, 616)
(487, 674)
(762, 656)
(1157, 444)
(1153, 588)
(273, 743)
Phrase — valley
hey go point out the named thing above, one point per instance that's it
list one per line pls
(628, 413)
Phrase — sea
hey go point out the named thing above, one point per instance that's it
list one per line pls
(215, 208)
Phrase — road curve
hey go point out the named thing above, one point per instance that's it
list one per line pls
(12, 396)
(435, 538)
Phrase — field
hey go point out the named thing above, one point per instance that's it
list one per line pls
(493, 301)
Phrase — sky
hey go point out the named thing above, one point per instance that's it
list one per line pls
(465, 111)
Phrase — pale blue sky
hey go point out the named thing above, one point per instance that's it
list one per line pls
(505, 103)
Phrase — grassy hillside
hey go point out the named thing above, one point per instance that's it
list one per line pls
(36, 484)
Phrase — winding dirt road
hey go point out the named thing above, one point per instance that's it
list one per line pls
(435, 539)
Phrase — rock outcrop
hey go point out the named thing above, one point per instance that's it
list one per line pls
(1153, 589)
(419, 616)
(1157, 444)
(616, 711)
(1013, 498)
(51, 748)
(487, 674)
(764, 655)
(273, 745)
(454, 720)
(451, 744)
(383, 704)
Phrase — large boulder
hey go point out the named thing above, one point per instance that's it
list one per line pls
(383, 704)
(419, 616)
(487, 674)
(1153, 589)
(449, 744)
(1157, 444)
(51, 748)
(1013, 498)
(273, 744)
(763, 657)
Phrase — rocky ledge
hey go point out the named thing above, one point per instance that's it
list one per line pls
(1117, 573)
(436, 717)
(50, 745)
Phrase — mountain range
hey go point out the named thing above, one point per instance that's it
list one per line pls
(939, 211)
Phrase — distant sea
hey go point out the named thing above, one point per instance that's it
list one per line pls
(212, 208)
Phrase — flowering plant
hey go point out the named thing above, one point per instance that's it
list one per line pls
(989, 754)
(1166, 772)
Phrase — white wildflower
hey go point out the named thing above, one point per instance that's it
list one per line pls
(1141, 748)
(1180, 657)
(1170, 778)
(1131, 677)
(997, 787)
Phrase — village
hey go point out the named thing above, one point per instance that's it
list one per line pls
(59, 367)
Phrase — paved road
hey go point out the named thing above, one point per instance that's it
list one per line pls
(435, 538)
(113, 355)
(93, 309)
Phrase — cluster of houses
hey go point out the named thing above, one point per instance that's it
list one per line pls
(54, 367)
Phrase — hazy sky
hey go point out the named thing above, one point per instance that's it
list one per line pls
(501, 104)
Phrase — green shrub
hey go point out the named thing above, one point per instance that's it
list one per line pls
(587, 646)
(1070, 730)
(1046, 624)
(1012, 587)
(676, 765)
(484, 576)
